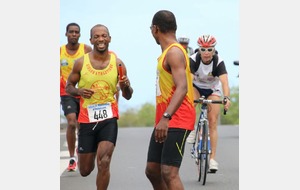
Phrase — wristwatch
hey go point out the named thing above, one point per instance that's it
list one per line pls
(166, 115)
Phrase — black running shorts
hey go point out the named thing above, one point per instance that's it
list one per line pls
(171, 151)
(69, 105)
(90, 134)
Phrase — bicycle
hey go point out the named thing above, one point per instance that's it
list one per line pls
(203, 140)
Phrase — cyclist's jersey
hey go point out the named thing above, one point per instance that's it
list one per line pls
(102, 105)
(66, 65)
(184, 117)
(203, 77)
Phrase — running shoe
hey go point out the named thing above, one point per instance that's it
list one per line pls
(191, 138)
(72, 165)
(213, 166)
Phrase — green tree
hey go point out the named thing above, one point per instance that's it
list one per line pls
(128, 118)
(146, 115)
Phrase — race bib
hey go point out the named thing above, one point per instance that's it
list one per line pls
(99, 112)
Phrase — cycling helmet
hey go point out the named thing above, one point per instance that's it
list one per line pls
(183, 40)
(207, 41)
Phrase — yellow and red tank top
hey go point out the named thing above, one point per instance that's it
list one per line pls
(184, 117)
(66, 65)
(102, 105)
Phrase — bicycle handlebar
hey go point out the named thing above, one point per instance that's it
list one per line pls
(206, 101)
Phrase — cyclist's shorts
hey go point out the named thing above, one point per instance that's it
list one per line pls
(69, 105)
(207, 92)
(90, 134)
(171, 151)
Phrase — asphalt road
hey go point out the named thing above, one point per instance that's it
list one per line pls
(129, 161)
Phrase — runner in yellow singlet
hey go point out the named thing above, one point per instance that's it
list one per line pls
(175, 113)
(97, 77)
(70, 104)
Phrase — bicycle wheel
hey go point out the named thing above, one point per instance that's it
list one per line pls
(197, 148)
(203, 156)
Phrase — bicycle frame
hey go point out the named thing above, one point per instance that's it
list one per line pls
(203, 147)
(203, 144)
(203, 128)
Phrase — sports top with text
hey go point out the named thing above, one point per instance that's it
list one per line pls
(102, 105)
(66, 65)
(184, 117)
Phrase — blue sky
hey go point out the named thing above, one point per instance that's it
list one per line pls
(129, 21)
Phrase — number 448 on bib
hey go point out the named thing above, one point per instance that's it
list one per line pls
(99, 112)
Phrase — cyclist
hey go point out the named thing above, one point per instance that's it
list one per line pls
(70, 104)
(210, 80)
(184, 41)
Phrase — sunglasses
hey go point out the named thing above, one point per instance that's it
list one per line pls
(206, 49)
